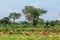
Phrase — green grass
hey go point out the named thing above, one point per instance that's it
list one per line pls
(40, 27)
(31, 37)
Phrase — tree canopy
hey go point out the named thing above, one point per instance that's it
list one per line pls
(14, 15)
(33, 13)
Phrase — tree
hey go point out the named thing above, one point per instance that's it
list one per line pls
(6, 18)
(24, 24)
(52, 23)
(14, 16)
(47, 24)
(33, 13)
(5, 21)
(41, 21)
(57, 22)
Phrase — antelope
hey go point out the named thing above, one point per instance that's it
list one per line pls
(43, 32)
(1, 33)
(53, 32)
(11, 32)
(31, 31)
(26, 33)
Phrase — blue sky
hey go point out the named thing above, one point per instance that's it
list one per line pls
(53, 7)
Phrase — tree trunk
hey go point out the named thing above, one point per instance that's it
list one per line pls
(14, 21)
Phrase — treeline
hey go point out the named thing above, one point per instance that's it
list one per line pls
(32, 15)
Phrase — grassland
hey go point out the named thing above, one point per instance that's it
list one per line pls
(31, 37)
(20, 36)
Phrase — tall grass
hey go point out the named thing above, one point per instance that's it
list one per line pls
(31, 37)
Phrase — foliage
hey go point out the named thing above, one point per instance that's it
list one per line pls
(14, 15)
(57, 22)
(5, 21)
(31, 37)
(33, 13)
(47, 22)
(41, 21)
(52, 23)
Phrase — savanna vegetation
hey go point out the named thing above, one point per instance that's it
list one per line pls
(34, 28)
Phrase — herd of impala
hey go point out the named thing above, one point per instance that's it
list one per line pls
(28, 33)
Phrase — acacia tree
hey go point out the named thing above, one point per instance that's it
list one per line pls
(33, 13)
(14, 16)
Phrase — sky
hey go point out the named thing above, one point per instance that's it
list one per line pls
(52, 7)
